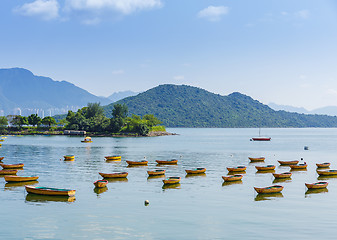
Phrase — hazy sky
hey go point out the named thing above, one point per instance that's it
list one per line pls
(281, 51)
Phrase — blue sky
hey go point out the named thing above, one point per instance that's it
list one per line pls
(281, 51)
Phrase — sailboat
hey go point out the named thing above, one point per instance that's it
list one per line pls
(259, 138)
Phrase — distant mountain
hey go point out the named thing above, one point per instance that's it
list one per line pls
(22, 91)
(120, 95)
(186, 106)
(330, 110)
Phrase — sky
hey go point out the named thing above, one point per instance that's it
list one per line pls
(280, 51)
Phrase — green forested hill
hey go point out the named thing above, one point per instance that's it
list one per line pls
(186, 106)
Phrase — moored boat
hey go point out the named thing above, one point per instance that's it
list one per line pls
(113, 158)
(298, 166)
(261, 138)
(237, 169)
(168, 162)
(69, 158)
(258, 159)
(50, 191)
(1, 158)
(316, 185)
(87, 140)
(232, 178)
(171, 180)
(142, 162)
(11, 166)
(290, 162)
(14, 178)
(323, 165)
(195, 171)
(156, 172)
(270, 189)
(265, 168)
(282, 175)
(8, 171)
(101, 183)
(326, 172)
(114, 175)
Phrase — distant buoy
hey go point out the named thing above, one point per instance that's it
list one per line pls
(147, 202)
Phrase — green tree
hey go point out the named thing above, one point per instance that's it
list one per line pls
(94, 109)
(3, 122)
(48, 121)
(19, 121)
(120, 111)
(34, 120)
(151, 120)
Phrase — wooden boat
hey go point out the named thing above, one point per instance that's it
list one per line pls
(282, 175)
(69, 158)
(87, 140)
(14, 178)
(291, 162)
(101, 183)
(195, 171)
(50, 191)
(11, 166)
(8, 171)
(156, 172)
(323, 165)
(261, 138)
(237, 169)
(1, 158)
(114, 175)
(271, 189)
(265, 168)
(113, 158)
(1, 140)
(298, 166)
(168, 162)
(316, 185)
(259, 159)
(171, 180)
(142, 162)
(326, 172)
(232, 178)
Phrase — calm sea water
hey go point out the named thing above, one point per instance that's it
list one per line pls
(201, 207)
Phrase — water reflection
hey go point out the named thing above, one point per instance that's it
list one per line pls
(298, 170)
(280, 180)
(30, 197)
(231, 183)
(267, 196)
(195, 175)
(156, 176)
(326, 177)
(111, 180)
(266, 171)
(100, 190)
(315, 191)
(171, 186)
(11, 185)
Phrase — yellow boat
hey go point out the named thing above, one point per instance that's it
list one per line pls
(298, 166)
(171, 180)
(113, 158)
(69, 158)
(143, 162)
(195, 171)
(8, 171)
(14, 178)
(232, 178)
(1, 140)
(87, 140)
(259, 159)
(156, 172)
(326, 172)
(316, 185)
(237, 169)
(271, 189)
(323, 165)
(11, 166)
(291, 162)
(101, 183)
(282, 175)
(265, 168)
(50, 191)
(114, 175)
(167, 162)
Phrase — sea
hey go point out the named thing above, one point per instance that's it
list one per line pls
(200, 207)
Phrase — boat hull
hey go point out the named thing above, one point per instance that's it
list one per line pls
(167, 162)
(156, 172)
(237, 169)
(113, 158)
(101, 183)
(282, 175)
(14, 178)
(232, 178)
(261, 139)
(114, 175)
(292, 162)
(196, 171)
(317, 185)
(260, 159)
(69, 158)
(133, 163)
(300, 166)
(171, 180)
(50, 191)
(323, 165)
(1, 158)
(8, 172)
(327, 172)
(11, 166)
(271, 189)
(265, 168)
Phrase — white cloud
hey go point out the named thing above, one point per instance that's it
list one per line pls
(123, 6)
(303, 14)
(180, 77)
(46, 9)
(92, 21)
(118, 72)
(213, 13)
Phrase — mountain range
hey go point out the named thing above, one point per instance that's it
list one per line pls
(329, 110)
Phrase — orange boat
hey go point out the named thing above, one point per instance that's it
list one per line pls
(326, 172)
(171, 180)
(265, 168)
(114, 175)
(8, 172)
(156, 172)
(291, 162)
(11, 166)
(1, 158)
(168, 162)
(237, 169)
(50, 191)
(196, 171)
(259, 159)
(323, 165)
(143, 162)
(316, 185)
(271, 189)
(69, 158)
(232, 178)
(101, 183)
(14, 178)
(298, 166)
(282, 175)
(113, 158)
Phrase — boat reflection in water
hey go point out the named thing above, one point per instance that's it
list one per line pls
(327, 177)
(232, 183)
(193, 175)
(155, 177)
(30, 197)
(100, 190)
(111, 180)
(171, 186)
(315, 191)
(19, 184)
(280, 180)
(268, 196)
